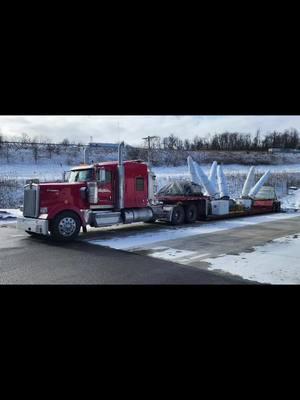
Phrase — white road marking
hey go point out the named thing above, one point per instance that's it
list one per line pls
(178, 255)
(171, 254)
(193, 259)
(200, 256)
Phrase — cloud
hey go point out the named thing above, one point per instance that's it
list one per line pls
(133, 128)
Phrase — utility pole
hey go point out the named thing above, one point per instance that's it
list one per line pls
(85, 147)
(149, 140)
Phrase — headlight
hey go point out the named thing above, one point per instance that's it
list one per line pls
(44, 210)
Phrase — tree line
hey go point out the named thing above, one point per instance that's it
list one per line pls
(231, 141)
(26, 141)
(35, 144)
(226, 141)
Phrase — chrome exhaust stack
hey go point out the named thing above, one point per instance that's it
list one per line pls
(121, 175)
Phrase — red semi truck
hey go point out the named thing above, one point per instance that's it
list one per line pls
(105, 194)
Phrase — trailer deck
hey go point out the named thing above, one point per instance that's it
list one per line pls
(238, 214)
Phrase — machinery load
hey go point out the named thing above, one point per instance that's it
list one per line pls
(181, 188)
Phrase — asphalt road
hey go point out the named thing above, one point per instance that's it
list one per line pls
(26, 260)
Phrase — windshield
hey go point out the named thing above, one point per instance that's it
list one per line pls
(83, 175)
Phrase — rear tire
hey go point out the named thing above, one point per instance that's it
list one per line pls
(178, 216)
(65, 227)
(190, 213)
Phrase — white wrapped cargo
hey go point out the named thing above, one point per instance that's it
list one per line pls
(192, 171)
(222, 182)
(208, 186)
(213, 174)
(253, 192)
(249, 183)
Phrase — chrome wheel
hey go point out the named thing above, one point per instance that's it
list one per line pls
(67, 226)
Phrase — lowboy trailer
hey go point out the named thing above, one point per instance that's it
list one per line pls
(120, 192)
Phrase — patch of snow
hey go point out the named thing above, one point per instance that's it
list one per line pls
(292, 200)
(167, 253)
(275, 263)
(8, 216)
(177, 255)
(142, 240)
(228, 168)
(23, 171)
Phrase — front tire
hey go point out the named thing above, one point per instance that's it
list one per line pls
(65, 226)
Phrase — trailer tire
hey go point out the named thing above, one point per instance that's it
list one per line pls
(191, 213)
(178, 215)
(277, 206)
(65, 227)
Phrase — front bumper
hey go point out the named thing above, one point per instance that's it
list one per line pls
(34, 225)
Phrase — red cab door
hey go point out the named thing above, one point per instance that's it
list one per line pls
(105, 188)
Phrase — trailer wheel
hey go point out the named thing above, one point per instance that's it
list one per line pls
(178, 215)
(277, 206)
(65, 226)
(190, 213)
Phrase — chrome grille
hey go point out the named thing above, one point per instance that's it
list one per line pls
(31, 201)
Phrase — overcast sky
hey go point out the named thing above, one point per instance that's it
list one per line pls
(133, 128)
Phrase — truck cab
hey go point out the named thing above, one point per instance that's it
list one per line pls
(104, 177)
(98, 195)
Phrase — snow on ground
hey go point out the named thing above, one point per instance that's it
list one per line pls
(292, 200)
(282, 168)
(53, 171)
(9, 215)
(44, 172)
(142, 240)
(169, 254)
(275, 263)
